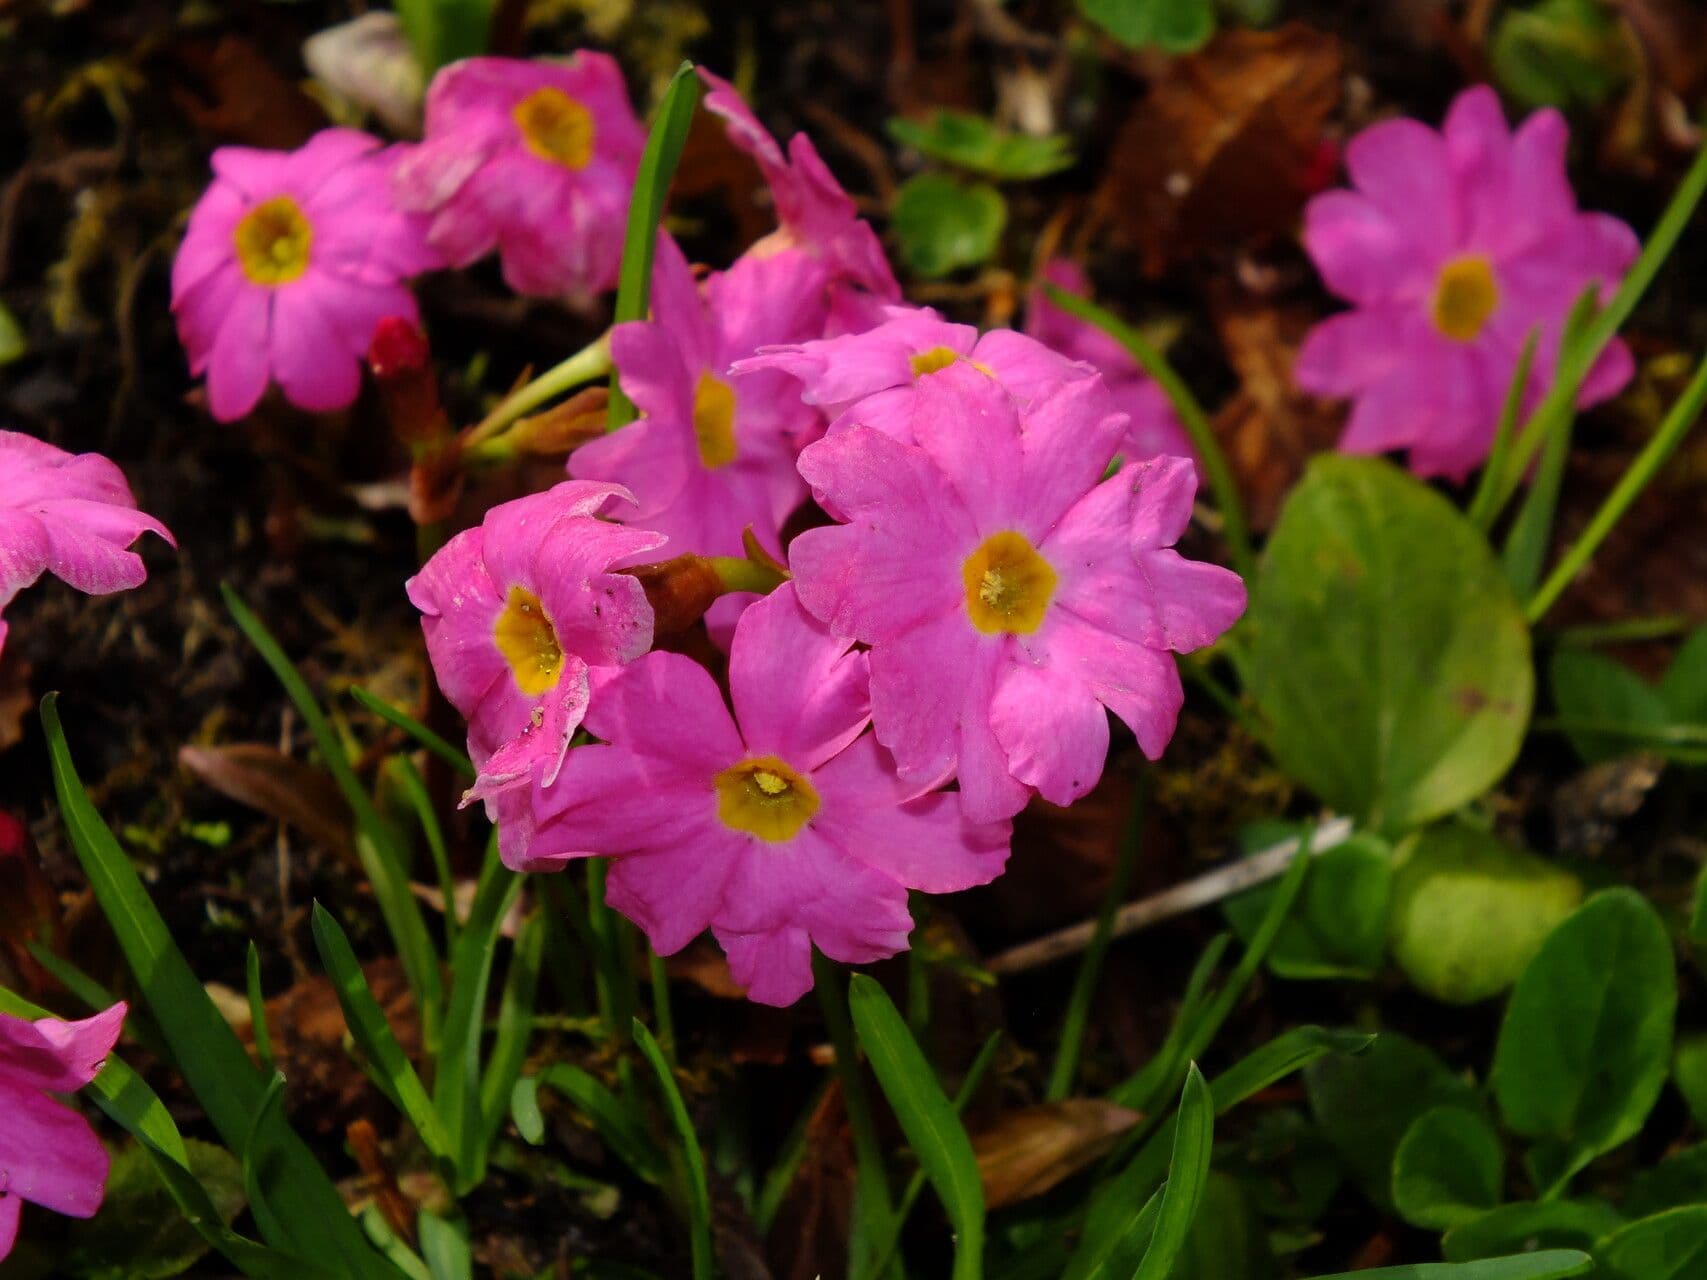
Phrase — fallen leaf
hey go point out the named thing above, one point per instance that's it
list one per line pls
(810, 1234)
(1221, 150)
(303, 796)
(1030, 1150)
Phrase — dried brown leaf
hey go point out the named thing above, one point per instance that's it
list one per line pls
(1028, 1151)
(300, 795)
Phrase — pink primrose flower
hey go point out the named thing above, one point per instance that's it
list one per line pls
(814, 215)
(1452, 248)
(290, 261)
(535, 159)
(69, 515)
(1008, 593)
(518, 612)
(48, 1153)
(780, 828)
(1152, 429)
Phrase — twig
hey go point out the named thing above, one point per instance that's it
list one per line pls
(1224, 882)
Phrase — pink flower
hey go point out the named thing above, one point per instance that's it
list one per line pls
(1454, 246)
(1152, 429)
(815, 215)
(290, 261)
(873, 378)
(711, 454)
(69, 515)
(535, 159)
(780, 828)
(1006, 594)
(518, 611)
(48, 1153)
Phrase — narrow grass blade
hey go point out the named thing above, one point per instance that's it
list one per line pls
(414, 789)
(387, 1065)
(515, 1028)
(1191, 415)
(620, 1129)
(646, 210)
(137, 1024)
(376, 843)
(452, 755)
(1548, 1264)
(1483, 508)
(311, 1221)
(661, 1005)
(693, 1161)
(1188, 1171)
(927, 1118)
(258, 1009)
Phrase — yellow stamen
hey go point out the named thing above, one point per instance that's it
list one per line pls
(714, 420)
(556, 127)
(933, 361)
(528, 641)
(273, 242)
(1464, 297)
(766, 798)
(1008, 585)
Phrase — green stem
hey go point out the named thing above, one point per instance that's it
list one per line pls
(1630, 485)
(738, 573)
(661, 1007)
(591, 362)
(1587, 635)
(1482, 509)
(1196, 421)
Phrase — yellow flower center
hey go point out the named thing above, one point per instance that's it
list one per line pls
(273, 241)
(525, 637)
(1008, 585)
(933, 361)
(1465, 297)
(765, 798)
(556, 127)
(714, 420)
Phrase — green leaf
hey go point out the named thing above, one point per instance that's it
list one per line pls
(1448, 1169)
(1228, 1240)
(1337, 928)
(669, 133)
(1668, 1246)
(1387, 650)
(975, 143)
(927, 1118)
(453, 756)
(1586, 1041)
(311, 1220)
(257, 1008)
(1689, 1073)
(445, 1248)
(139, 1231)
(1177, 26)
(1683, 688)
(1593, 689)
(1469, 912)
(515, 1027)
(699, 1192)
(1554, 1264)
(622, 1131)
(1560, 53)
(444, 31)
(1531, 1224)
(387, 1065)
(1676, 1181)
(1194, 1128)
(1365, 1104)
(944, 224)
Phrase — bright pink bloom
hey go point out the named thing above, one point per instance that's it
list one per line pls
(1454, 246)
(534, 159)
(1006, 594)
(711, 454)
(48, 1153)
(814, 215)
(780, 828)
(872, 378)
(290, 261)
(69, 515)
(518, 611)
(1152, 428)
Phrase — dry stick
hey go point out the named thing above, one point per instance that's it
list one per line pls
(1235, 877)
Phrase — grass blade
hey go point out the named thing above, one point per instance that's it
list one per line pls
(927, 1118)
(258, 1009)
(414, 788)
(515, 1028)
(1483, 508)
(453, 756)
(658, 162)
(699, 1192)
(619, 1128)
(1548, 1264)
(445, 1248)
(1188, 1171)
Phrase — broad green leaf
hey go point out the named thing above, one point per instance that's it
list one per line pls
(310, 1219)
(1177, 26)
(927, 1118)
(1689, 1074)
(1560, 53)
(139, 1232)
(1676, 1181)
(1668, 1246)
(1683, 688)
(944, 224)
(1387, 651)
(688, 1152)
(1586, 1041)
(1531, 1224)
(1365, 1103)
(1182, 1194)
(1591, 689)
(664, 143)
(1553, 1264)
(975, 143)
(1449, 1168)
(1337, 929)
(1469, 912)
(1228, 1240)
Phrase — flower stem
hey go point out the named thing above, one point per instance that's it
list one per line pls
(589, 363)
(1630, 485)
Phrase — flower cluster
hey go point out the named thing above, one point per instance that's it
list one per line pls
(1454, 248)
